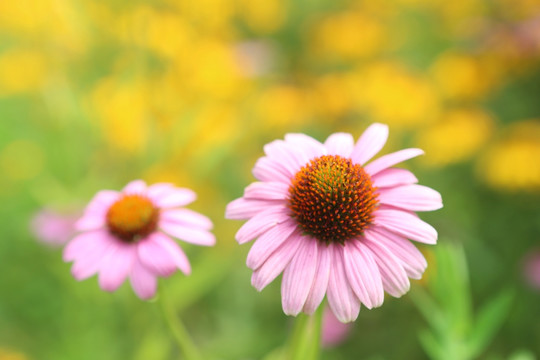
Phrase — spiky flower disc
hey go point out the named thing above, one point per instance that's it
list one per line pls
(332, 199)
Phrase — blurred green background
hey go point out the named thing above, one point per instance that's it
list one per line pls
(94, 94)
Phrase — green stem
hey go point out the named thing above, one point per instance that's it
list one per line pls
(177, 328)
(306, 337)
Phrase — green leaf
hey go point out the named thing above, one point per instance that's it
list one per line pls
(431, 345)
(430, 310)
(488, 322)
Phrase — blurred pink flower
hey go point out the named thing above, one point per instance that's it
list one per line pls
(128, 234)
(532, 269)
(53, 228)
(334, 332)
(333, 225)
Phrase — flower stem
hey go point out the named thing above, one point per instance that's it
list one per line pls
(177, 328)
(306, 337)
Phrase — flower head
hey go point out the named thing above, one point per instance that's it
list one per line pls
(128, 234)
(53, 228)
(333, 225)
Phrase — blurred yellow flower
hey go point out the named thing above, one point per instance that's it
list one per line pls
(121, 109)
(22, 70)
(263, 16)
(210, 16)
(331, 95)
(392, 94)
(462, 76)
(21, 160)
(6, 354)
(214, 127)
(212, 69)
(282, 105)
(346, 36)
(512, 163)
(164, 32)
(56, 22)
(458, 135)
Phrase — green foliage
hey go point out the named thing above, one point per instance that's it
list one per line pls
(456, 332)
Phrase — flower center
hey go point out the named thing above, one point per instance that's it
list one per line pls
(132, 217)
(332, 199)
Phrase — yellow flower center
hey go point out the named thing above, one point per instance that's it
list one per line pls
(332, 199)
(132, 217)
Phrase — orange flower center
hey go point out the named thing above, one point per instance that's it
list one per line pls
(132, 217)
(332, 199)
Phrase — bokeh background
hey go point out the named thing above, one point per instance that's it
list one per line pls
(94, 94)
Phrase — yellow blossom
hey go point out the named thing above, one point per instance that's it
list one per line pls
(211, 70)
(122, 111)
(511, 163)
(22, 70)
(6, 354)
(461, 76)
(263, 16)
(56, 22)
(458, 135)
(331, 95)
(390, 93)
(348, 35)
(282, 105)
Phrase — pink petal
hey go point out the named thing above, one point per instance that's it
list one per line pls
(411, 197)
(370, 143)
(282, 153)
(144, 282)
(187, 233)
(159, 190)
(333, 331)
(177, 254)
(90, 221)
(260, 223)
(268, 242)
(320, 281)
(363, 274)
(83, 243)
(88, 263)
(298, 277)
(341, 298)
(94, 216)
(241, 208)
(393, 177)
(392, 159)
(155, 257)
(135, 187)
(306, 148)
(276, 262)
(186, 217)
(267, 191)
(394, 278)
(116, 265)
(406, 225)
(268, 169)
(411, 258)
(340, 144)
(164, 195)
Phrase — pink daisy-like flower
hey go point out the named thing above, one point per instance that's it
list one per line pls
(53, 228)
(128, 234)
(333, 224)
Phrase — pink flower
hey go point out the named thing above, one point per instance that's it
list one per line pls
(333, 332)
(128, 234)
(53, 228)
(531, 267)
(332, 224)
